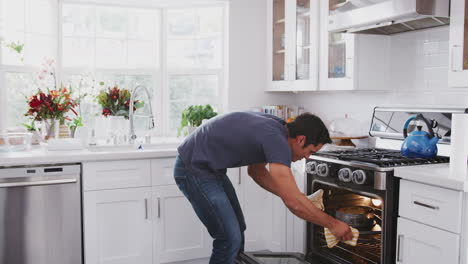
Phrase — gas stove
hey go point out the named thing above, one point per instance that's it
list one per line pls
(382, 158)
(366, 167)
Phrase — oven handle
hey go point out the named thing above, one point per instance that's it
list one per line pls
(400, 241)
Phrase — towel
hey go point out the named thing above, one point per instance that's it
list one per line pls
(332, 241)
(317, 199)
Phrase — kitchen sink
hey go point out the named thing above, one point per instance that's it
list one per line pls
(157, 143)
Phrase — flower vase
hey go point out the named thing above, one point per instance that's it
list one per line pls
(50, 128)
(64, 131)
(117, 129)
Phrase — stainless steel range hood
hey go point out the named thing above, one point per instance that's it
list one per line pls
(386, 17)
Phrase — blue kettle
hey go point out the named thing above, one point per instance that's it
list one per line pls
(419, 144)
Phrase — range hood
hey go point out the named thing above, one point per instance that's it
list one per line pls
(386, 17)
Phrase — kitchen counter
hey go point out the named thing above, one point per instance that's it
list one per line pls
(436, 174)
(40, 155)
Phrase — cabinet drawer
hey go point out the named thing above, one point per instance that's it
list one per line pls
(419, 243)
(162, 171)
(434, 206)
(116, 174)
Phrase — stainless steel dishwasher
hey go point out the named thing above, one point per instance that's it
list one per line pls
(40, 215)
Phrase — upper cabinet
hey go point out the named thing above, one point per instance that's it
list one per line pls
(458, 66)
(340, 52)
(292, 39)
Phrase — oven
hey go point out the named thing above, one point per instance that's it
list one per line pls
(372, 211)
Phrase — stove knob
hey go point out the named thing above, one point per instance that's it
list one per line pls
(345, 175)
(359, 177)
(322, 170)
(311, 167)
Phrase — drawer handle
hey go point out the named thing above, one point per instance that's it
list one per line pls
(426, 205)
(146, 208)
(400, 240)
(159, 207)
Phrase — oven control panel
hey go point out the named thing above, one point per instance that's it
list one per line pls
(340, 173)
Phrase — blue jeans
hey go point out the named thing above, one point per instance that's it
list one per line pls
(215, 202)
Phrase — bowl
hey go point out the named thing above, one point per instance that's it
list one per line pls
(15, 141)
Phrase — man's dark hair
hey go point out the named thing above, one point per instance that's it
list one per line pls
(312, 127)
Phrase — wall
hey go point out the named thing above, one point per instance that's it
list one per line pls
(247, 57)
(418, 76)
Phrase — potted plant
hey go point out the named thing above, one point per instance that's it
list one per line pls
(193, 116)
(75, 123)
(31, 127)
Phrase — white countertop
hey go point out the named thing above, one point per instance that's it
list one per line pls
(436, 174)
(40, 155)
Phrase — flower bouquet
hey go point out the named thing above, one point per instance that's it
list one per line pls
(51, 107)
(116, 102)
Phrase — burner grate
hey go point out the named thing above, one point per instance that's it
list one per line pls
(381, 157)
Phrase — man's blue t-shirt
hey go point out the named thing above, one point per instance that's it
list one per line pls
(234, 140)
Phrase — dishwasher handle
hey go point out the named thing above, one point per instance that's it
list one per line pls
(37, 183)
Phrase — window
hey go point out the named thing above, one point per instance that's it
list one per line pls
(178, 53)
(30, 38)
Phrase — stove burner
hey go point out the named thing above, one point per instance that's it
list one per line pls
(380, 157)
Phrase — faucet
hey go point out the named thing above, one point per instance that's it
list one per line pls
(131, 113)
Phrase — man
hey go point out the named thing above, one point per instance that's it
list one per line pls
(253, 139)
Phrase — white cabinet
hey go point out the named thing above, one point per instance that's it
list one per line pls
(254, 201)
(351, 61)
(118, 226)
(418, 243)
(429, 224)
(179, 234)
(458, 59)
(292, 45)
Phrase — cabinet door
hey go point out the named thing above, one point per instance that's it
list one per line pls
(255, 208)
(292, 39)
(418, 243)
(337, 55)
(118, 226)
(179, 234)
(277, 233)
(458, 66)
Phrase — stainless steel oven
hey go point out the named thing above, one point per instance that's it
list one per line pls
(376, 243)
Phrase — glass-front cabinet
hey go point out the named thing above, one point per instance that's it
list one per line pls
(293, 28)
(337, 52)
(458, 66)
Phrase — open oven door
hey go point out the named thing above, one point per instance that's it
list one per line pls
(266, 257)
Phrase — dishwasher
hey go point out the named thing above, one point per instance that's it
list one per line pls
(40, 215)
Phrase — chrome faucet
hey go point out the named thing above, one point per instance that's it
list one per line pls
(130, 110)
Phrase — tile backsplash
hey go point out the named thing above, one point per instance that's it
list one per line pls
(418, 77)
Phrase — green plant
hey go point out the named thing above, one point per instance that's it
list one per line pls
(30, 127)
(15, 46)
(76, 122)
(194, 115)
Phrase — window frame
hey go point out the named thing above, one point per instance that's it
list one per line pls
(160, 73)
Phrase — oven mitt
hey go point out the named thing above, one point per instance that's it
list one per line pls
(317, 199)
(332, 241)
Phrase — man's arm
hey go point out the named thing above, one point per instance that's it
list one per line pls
(260, 175)
(280, 181)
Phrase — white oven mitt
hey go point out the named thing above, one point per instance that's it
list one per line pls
(317, 199)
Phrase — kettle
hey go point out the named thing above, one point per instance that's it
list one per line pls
(419, 144)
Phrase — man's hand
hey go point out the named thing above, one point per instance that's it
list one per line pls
(341, 230)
